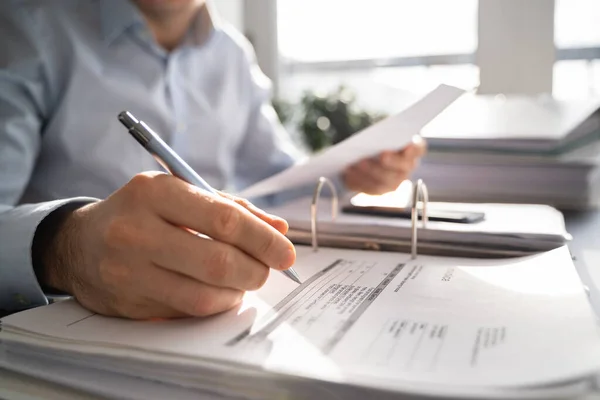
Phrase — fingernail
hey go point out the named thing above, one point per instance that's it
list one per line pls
(286, 226)
(289, 258)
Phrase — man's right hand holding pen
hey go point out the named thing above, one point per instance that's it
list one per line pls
(137, 254)
(128, 255)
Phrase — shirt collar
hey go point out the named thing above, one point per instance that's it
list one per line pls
(117, 16)
(206, 22)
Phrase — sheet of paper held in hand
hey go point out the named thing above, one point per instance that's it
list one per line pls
(393, 133)
(377, 319)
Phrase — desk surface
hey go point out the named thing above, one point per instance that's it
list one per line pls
(585, 248)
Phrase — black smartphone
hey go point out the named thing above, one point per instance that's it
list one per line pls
(460, 217)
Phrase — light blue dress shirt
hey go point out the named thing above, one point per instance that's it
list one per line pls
(67, 68)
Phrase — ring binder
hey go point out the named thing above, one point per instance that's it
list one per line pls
(420, 197)
(419, 191)
(313, 208)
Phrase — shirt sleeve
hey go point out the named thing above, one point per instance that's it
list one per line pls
(19, 287)
(267, 147)
(23, 111)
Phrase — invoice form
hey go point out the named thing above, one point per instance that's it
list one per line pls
(450, 321)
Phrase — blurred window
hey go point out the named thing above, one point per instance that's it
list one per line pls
(326, 30)
(577, 39)
(379, 48)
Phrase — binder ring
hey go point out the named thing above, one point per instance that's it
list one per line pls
(313, 208)
(419, 192)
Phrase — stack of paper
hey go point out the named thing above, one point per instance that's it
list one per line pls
(515, 150)
(362, 325)
(506, 230)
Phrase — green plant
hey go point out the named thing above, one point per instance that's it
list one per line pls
(326, 120)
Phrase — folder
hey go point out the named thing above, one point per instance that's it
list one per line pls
(363, 324)
(506, 230)
(515, 125)
(515, 150)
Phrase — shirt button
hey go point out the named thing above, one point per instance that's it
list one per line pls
(181, 127)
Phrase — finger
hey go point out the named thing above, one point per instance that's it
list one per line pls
(154, 311)
(416, 149)
(182, 204)
(209, 261)
(148, 309)
(420, 145)
(133, 303)
(353, 183)
(363, 180)
(186, 296)
(385, 177)
(276, 222)
(407, 158)
(403, 161)
(356, 180)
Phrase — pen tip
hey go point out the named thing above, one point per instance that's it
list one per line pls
(292, 274)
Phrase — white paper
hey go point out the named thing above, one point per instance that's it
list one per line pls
(390, 134)
(441, 321)
(372, 319)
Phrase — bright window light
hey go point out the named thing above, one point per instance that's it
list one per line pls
(328, 30)
(577, 23)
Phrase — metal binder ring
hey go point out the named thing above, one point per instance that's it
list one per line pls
(314, 205)
(419, 192)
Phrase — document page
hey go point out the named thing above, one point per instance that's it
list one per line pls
(371, 318)
(393, 133)
(447, 321)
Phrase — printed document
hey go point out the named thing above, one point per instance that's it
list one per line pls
(370, 318)
(393, 133)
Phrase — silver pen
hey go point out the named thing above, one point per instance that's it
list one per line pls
(171, 162)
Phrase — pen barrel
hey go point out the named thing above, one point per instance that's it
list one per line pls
(171, 162)
(163, 154)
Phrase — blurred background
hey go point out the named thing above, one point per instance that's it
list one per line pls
(376, 55)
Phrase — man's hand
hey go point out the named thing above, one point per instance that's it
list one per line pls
(386, 172)
(137, 255)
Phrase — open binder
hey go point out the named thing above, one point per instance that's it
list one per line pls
(363, 324)
(545, 229)
(419, 198)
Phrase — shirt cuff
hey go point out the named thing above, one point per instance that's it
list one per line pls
(19, 288)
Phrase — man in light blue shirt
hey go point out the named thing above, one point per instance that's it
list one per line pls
(67, 68)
